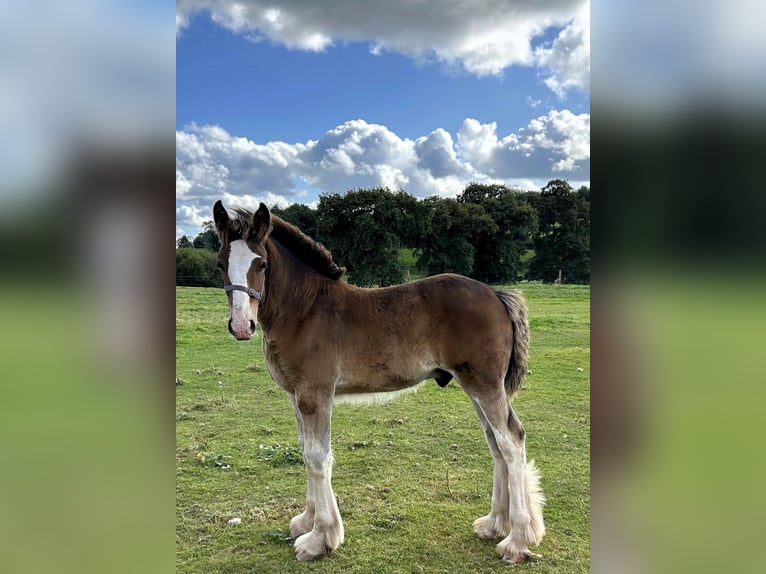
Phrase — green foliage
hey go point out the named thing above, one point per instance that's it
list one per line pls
(183, 243)
(300, 215)
(563, 239)
(452, 230)
(364, 229)
(499, 249)
(196, 260)
(208, 238)
(489, 232)
(278, 455)
(197, 268)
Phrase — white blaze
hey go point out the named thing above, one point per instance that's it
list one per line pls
(240, 259)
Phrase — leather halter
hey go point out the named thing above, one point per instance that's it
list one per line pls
(252, 292)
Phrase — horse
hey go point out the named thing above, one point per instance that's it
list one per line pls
(325, 340)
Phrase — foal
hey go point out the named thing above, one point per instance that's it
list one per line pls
(325, 340)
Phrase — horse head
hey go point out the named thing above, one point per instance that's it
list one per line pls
(242, 258)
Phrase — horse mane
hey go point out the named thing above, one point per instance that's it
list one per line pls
(314, 254)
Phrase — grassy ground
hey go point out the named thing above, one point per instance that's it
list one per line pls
(411, 476)
(407, 257)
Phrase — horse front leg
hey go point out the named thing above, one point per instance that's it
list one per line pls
(303, 522)
(327, 532)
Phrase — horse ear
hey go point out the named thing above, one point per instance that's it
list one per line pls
(221, 217)
(261, 224)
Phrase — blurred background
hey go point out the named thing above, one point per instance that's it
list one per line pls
(87, 104)
(87, 299)
(678, 306)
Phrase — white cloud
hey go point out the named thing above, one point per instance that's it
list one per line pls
(556, 144)
(436, 154)
(477, 141)
(480, 37)
(212, 164)
(190, 215)
(358, 154)
(253, 201)
(567, 59)
(183, 185)
(182, 21)
(214, 161)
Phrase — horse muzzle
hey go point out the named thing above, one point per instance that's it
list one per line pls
(242, 334)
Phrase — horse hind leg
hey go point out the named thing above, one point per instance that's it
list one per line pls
(498, 522)
(525, 497)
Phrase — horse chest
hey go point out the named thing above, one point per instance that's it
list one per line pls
(271, 355)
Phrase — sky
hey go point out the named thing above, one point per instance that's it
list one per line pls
(282, 101)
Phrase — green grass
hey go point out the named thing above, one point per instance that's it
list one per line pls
(410, 262)
(411, 476)
(528, 254)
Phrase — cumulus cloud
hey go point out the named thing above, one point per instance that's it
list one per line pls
(567, 59)
(211, 161)
(482, 38)
(357, 154)
(213, 164)
(436, 153)
(190, 215)
(554, 145)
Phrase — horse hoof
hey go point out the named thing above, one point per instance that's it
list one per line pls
(521, 557)
(486, 528)
(509, 552)
(300, 525)
(311, 546)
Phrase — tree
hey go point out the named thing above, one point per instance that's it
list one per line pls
(499, 248)
(451, 231)
(300, 215)
(183, 242)
(208, 238)
(197, 268)
(563, 238)
(364, 230)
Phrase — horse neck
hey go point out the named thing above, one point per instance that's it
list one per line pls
(291, 288)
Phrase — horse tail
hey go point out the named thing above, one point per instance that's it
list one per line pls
(517, 311)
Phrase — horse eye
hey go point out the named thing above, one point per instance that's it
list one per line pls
(263, 266)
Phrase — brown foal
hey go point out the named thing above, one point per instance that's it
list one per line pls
(325, 340)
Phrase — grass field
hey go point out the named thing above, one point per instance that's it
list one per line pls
(408, 259)
(411, 476)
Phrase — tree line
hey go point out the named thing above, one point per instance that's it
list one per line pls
(489, 232)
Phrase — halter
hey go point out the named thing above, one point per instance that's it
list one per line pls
(252, 292)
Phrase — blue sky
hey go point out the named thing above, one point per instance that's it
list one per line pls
(282, 102)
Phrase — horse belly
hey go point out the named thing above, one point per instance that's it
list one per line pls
(373, 398)
(379, 383)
